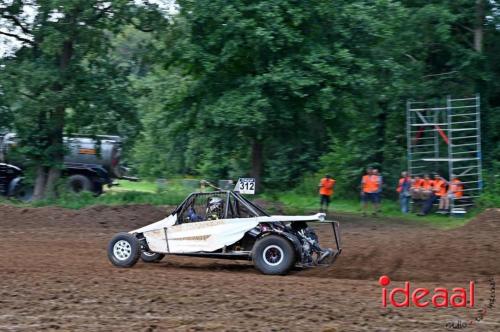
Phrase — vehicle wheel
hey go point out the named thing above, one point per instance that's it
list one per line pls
(151, 257)
(23, 192)
(124, 250)
(97, 188)
(273, 254)
(78, 183)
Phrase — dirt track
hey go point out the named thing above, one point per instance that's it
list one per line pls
(55, 276)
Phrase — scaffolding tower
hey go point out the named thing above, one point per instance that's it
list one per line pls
(445, 137)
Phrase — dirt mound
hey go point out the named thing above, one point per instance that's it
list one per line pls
(102, 216)
(411, 252)
(488, 221)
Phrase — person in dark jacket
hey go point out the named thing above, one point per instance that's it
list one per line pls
(404, 187)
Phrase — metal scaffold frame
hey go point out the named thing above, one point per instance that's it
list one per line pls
(447, 133)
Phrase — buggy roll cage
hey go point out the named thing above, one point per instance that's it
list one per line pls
(255, 210)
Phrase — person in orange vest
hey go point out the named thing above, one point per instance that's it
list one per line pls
(365, 179)
(428, 195)
(439, 188)
(371, 186)
(456, 187)
(403, 188)
(416, 188)
(416, 191)
(326, 186)
(427, 183)
(455, 191)
(377, 178)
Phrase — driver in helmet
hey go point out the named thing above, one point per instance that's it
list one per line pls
(215, 208)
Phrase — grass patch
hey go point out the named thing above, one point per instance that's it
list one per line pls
(139, 186)
(126, 192)
(73, 201)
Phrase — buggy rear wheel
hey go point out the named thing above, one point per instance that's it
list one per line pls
(273, 254)
(151, 257)
(124, 250)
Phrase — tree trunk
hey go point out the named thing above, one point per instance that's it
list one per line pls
(257, 162)
(381, 132)
(40, 181)
(52, 177)
(57, 152)
(478, 26)
(56, 155)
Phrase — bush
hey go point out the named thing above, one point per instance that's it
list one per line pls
(491, 195)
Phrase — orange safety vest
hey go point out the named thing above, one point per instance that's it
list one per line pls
(417, 183)
(456, 187)
(427, 184)
(326, 186)
(439, 187)
(370, 183)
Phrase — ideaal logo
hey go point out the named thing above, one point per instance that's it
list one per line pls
(421, 297)
(439, 297)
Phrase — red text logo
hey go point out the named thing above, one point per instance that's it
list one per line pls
(421, 297)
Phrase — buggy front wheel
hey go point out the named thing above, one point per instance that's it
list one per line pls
(124, 250)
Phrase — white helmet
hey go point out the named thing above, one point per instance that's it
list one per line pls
(215, 207)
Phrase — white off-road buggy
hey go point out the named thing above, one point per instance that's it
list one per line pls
(224, 224)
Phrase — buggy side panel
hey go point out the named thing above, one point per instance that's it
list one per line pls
(204, 236)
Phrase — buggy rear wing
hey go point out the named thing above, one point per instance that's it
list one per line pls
(336, 237)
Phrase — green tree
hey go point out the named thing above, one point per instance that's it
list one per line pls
(271, 82)
(62, 78)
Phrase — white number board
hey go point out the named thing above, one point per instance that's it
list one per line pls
(245, 186)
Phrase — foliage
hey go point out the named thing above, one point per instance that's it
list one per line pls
(320, 86)
(283, 90)
(491, 180)
(262, 85)
(63, 79)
